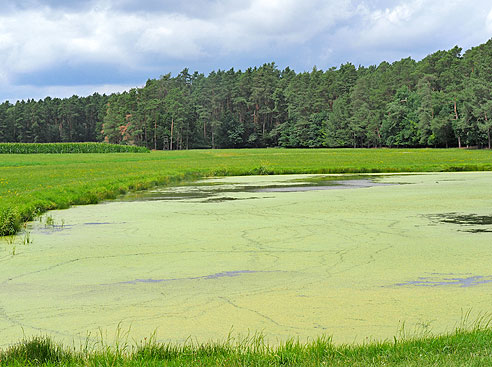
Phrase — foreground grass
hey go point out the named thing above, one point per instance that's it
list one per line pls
(462, 348)
(33, 183)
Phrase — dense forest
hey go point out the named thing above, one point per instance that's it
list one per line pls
(441, 101)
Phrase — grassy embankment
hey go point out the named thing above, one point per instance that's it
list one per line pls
(462, 348)
(33, 183)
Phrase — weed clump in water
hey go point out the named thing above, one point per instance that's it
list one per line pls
(466, 220)
(9, 222)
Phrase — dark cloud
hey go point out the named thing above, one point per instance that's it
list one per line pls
(13, 5)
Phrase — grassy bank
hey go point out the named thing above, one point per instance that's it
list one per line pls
(33, 183)
(462, 348)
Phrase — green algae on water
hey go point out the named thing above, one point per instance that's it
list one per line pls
(352, 263)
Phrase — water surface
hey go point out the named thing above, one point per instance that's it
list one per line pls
(292, 256)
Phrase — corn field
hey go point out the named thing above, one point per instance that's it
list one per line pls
(33, 148)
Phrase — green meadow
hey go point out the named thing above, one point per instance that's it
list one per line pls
(33, 183)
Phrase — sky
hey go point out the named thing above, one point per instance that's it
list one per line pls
(59, 48)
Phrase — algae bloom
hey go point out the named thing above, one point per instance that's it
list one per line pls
(290, 256)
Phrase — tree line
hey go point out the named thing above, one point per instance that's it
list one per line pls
(444, 100)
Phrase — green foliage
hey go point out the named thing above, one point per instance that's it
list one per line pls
(338, 131)
(460, 348)
(37, 148)
(34, 352)
(9, 222)
(400, 127)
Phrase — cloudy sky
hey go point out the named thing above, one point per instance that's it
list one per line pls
(64, 47)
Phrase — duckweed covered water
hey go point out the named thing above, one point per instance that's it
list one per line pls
(288, 256)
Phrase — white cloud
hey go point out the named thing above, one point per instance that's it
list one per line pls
(175, 36)
(399, 14)
(412, 28)
(401, 23)
(288, 21)
(37, 38)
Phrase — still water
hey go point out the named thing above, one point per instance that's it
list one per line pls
(355, 257)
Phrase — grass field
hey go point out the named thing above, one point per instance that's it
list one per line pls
(33, 183)
(462, 348)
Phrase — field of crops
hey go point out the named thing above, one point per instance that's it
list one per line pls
(60, 148)
(33, 183)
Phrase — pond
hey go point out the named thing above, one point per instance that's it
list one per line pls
(355, 257)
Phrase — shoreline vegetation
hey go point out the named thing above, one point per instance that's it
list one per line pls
(463, 347)
(31, 184)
